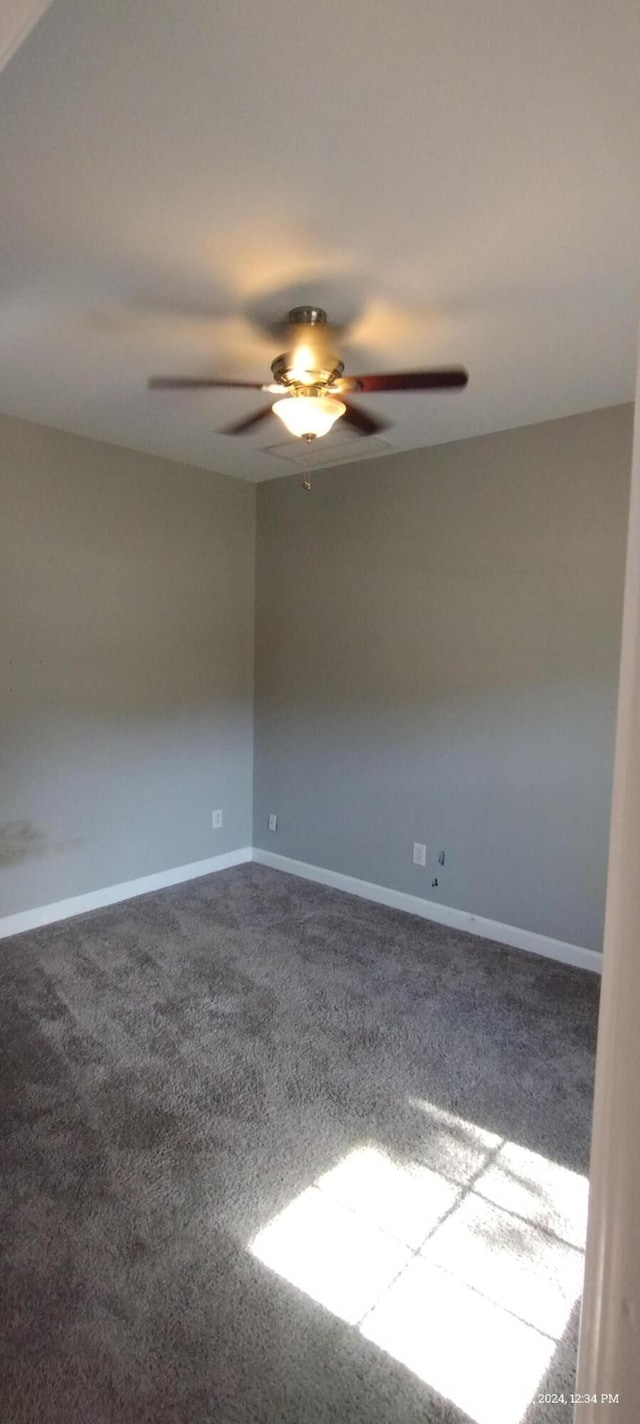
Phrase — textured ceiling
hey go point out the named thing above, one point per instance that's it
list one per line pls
(457, 181)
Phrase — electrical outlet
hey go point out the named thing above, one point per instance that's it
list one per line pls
(273, 822)
(216, 820)
(419, 853)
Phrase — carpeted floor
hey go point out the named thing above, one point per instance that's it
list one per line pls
(272, 1153)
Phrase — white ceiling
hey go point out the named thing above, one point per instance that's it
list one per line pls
(459, 180)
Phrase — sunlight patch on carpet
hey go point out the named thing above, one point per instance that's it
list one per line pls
(464, 1266)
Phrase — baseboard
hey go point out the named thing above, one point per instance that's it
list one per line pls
(112, 894)
(381, 894)
(442, 914)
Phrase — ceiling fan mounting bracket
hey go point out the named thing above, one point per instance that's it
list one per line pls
(307, 316)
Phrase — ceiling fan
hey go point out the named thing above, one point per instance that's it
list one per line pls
(312, 389)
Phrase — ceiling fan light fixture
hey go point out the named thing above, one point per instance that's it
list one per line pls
(308, 415)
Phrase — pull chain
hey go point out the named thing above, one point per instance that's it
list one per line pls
(306, 473)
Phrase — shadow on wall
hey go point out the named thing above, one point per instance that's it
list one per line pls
(21, 840)
(24, 840)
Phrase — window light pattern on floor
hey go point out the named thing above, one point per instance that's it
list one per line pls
(466, 1270)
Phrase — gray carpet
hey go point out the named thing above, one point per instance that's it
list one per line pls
(189, 1076)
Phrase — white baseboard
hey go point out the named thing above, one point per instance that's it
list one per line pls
(97, 899)
(442, 915)
(398, 900)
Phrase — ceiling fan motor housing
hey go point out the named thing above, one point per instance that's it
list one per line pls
(323, 367)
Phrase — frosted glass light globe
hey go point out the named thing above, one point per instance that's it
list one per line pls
(308, 415)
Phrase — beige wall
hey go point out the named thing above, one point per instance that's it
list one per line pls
(436, 654)
(437, 647)
(126, 664)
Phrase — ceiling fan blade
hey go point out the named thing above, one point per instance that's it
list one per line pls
(361, 421)
(242, 426)
(447, 378)
(195, 383)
